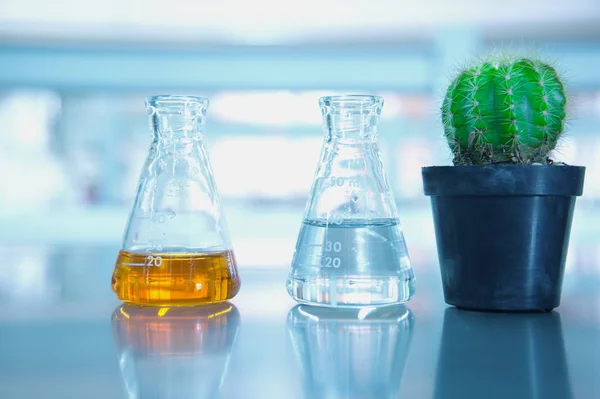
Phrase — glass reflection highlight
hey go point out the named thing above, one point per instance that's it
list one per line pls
(495, 355)
(175, 352)
(350, 353)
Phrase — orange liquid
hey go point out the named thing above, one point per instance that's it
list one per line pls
(175, 279)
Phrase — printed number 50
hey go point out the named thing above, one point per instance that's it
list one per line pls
(153, 261)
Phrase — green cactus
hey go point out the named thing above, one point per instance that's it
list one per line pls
(504, 110)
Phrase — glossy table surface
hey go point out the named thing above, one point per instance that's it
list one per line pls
(77, 341)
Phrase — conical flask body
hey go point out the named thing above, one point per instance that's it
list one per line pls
(176, 247)
(351, 249)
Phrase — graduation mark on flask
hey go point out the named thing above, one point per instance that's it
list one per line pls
(332, 261)
(152, 261)
(356, 195)
(159, 218)
(341, 181)
(336, 219)
(155, 217)
(335, 246)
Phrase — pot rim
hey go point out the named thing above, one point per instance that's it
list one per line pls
(503, 180)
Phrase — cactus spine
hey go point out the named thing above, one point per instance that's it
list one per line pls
(509, 110)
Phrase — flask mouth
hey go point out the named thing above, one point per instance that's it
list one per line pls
(351, 104)
(167, 104)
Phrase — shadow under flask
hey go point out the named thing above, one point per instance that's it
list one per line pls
(176, 248)
(350, 250)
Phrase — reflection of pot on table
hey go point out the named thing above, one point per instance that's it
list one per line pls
(175, 352)
(495, 355)
(348, 353)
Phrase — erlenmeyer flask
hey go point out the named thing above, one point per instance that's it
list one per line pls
(180, 352)
(350, 249)
(176, 248)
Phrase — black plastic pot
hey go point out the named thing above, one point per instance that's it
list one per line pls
(502, 233)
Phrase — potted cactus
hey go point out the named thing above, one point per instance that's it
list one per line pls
(502, 212)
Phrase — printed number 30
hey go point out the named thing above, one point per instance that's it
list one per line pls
(336, 246)
(153, 261)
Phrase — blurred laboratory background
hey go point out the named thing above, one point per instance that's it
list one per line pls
(74, 131)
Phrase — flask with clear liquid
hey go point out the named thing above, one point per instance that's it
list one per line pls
(350, 250)
(176, 249)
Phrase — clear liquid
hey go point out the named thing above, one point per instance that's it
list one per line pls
(353, 263)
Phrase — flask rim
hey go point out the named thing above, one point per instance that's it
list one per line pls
(170, 103)
(351, 101)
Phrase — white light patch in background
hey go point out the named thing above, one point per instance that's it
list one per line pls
(285, 108)
(411, 156)
(264, 166)
(566, 151)
(274, 252)
(32, 176)
(26, 118)
(27, 279)
(270, 108)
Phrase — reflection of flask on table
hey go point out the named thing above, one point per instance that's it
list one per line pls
(180, 352)
(347, 353)
(350, 249)
(494, 355)
(176, 248)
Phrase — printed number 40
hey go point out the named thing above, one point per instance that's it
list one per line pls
(153, 261)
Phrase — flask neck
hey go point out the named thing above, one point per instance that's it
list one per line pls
(177, 128)
(351, 119)
(177, 118)
(351, 129)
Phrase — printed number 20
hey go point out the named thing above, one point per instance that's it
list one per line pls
(332, 262)
(153, 261)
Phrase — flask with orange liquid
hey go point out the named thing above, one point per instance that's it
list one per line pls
(176, 249)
